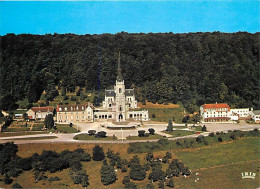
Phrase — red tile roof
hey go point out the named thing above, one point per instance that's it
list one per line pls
(214, 106)
(42, 109)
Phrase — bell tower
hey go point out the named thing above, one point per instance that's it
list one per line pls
(120, 94)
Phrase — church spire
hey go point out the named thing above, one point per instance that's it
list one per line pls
(119, 70)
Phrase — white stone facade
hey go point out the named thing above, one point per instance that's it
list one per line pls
(118, 106)
(215, 112)
(255, 115)
(39, 113)
(242, 113)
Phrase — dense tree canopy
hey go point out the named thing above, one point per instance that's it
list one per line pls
(193, 68)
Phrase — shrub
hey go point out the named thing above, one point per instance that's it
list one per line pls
(126, 179)
(108, 175)
(178, 143)
(161, 184)
(151, 131)
(149, 156)
(80, 177)
(141, 133)
(200, 138)
(220, 139)
(17, 186)
(170, 183)
(163, 142)
(204, 128)
(8, 180)
(211, 134)
(75, 165)
(137, 173)
(156, 174)
(233, 136)
(54, 179)
(101, 134)
(91, 132)
(25, 164)
(98, 153)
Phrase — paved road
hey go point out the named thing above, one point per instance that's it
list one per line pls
(68, 138)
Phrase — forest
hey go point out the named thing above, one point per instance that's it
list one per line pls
(193, 68)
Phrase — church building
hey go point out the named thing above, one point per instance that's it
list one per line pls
(119, 105)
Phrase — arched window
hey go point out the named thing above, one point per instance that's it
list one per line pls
(120, 90)
(120, 108)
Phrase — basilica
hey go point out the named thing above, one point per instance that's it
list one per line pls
(119, 105)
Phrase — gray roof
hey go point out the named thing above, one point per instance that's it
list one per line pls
(129, 92)
(256, 112)
(110, 93)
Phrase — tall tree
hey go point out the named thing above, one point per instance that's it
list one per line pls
(49, 121)
(170, 126)
(108, 175)
(98, 153)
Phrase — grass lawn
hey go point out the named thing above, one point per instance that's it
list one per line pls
(164, 114)
(38, 127)
(64, 128)
(245, 149)
(180, 127)
(228, 176)
(33, 138)
(88, 137)
(17, 129)
(8, 134)
(178, 133)
(198, 128)
(155, 136)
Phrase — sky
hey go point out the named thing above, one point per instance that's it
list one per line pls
(97, 17)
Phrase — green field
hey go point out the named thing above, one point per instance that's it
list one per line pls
(88, 137)
(245, 149)
(33, 138)
(8, 134)
(178, 133)
(64, 128)
(228, 176)
(164, 114)
(18, 129)
(150, 137)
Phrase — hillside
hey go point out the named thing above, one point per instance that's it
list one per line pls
(193, 68)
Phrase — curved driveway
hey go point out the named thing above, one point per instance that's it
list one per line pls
(122, 134)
